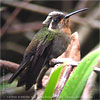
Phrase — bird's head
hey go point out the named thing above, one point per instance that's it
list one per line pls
(59, 22)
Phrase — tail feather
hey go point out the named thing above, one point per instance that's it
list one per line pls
(19, 70)
(21, 81)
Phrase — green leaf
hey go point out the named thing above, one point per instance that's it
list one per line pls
(5, 85)
(75, 85)
(49, 90)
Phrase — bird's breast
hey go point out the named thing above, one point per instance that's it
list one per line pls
(59, 45)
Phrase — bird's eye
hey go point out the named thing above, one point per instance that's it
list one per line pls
(56, 20)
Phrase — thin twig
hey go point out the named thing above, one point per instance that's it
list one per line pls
(9, 65)
(13, 46)
(22, 28)
(11, 19)
(30, 7)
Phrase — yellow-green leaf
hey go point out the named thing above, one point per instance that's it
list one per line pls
(75, 85)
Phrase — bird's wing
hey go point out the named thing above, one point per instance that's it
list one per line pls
(38, 61)
(28, 56)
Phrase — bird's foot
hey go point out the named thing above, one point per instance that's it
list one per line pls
(69, 61)
(39, 85)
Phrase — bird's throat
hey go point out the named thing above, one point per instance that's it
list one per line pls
(66, 30)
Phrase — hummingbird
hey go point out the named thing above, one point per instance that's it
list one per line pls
(50, 42)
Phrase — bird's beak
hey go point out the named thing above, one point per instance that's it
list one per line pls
(75, 12)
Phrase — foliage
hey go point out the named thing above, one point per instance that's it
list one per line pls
(5, 85)
(76, 82)
(49, 90)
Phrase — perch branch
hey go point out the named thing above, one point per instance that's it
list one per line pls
(9, 65)
(69, 61)
(96, 69)
(10, 91)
